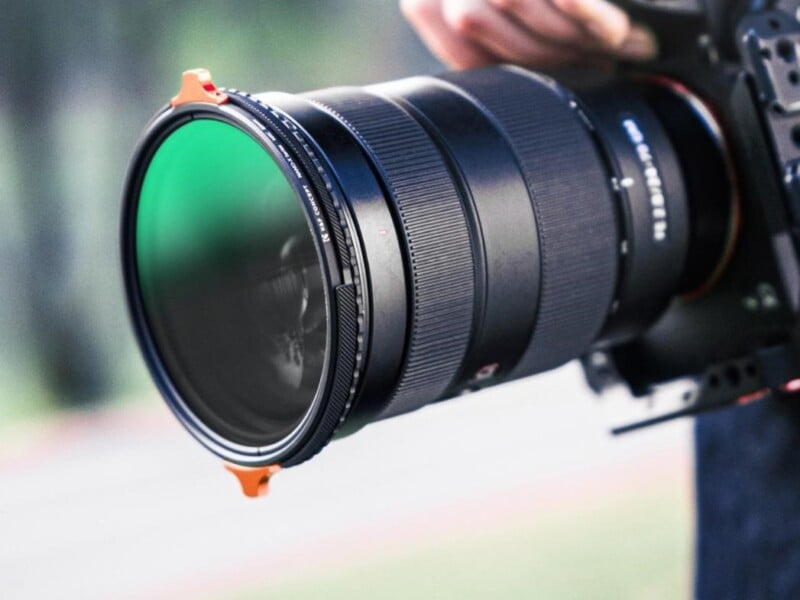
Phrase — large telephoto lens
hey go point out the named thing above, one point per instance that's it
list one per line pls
(298, 266)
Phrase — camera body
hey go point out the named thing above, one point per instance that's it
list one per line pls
(735, 339)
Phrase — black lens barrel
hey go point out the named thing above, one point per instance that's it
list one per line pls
(430, 214)
(515, 234)
(503, 228)
(572, 197)
(488, 225)
(653, 207)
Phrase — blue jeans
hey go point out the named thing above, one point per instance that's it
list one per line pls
(748, 502)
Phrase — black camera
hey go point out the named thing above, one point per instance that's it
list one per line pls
(298, 266)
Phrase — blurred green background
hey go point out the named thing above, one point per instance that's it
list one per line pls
(78, 82)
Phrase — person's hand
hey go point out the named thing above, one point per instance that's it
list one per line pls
(535, 33)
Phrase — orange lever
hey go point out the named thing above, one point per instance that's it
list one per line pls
(197, 86)
(254, 480)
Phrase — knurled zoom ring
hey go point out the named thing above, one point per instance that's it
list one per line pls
(429, 209)
(574, 207)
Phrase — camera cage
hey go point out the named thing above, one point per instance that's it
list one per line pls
(747, 58)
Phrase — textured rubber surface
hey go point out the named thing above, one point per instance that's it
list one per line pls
(341, 390)
(574, 206)
(440, 256)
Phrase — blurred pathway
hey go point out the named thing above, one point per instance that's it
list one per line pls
(123, 504)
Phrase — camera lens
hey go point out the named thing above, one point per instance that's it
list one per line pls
(299, 266)
(231, 281)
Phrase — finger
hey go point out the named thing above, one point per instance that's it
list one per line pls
(503, 37)
(641, 45)
(454, 50)
(600, 18)
(543, 19)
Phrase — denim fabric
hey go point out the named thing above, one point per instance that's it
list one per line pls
(748, 502)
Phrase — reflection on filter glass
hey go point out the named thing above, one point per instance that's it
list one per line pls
(289, 325)
(231, 280)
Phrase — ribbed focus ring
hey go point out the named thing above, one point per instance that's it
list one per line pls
(574, 207)
(440, 259)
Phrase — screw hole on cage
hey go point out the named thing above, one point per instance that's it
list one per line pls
(796, 135)
(774, 24)
(786, 50)
(794, 78)
(766, 54)
(713, 380)
(733, 375)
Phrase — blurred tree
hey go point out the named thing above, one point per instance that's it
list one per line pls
(55, 58)
(28, 36)
(79, 80)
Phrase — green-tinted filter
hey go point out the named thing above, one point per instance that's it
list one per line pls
(231, 281)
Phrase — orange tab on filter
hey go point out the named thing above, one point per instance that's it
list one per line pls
(197, 86)
(254, 480)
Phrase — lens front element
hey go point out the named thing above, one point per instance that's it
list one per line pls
(231, 282)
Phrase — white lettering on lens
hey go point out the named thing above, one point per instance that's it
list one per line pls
(323, 231)
(298, 173)
(652, 178)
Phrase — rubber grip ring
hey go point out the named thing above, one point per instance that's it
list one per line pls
(430, 215)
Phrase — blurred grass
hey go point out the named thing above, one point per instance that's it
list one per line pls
(635, 546)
